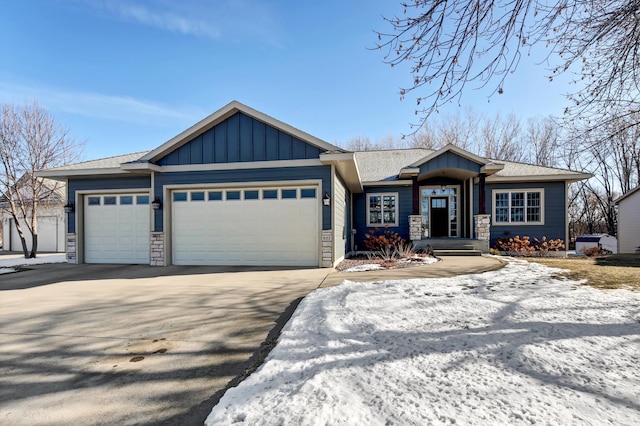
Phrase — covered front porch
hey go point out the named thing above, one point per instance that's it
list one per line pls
(449, 200)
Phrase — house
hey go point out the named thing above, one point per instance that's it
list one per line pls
(242, 188)
(601, 241)
(629, 222)
(50, 219)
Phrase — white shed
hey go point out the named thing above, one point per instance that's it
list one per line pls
(603, 241)
(629, 222)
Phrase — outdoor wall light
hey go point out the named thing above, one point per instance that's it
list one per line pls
(326, 199)
(443, 187)
(156, 203)
(68, 208)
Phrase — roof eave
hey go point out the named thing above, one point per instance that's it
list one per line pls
(540, 178)
(347, 166)
(623, 196)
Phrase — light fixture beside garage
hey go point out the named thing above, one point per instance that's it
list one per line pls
(326, 199)
(156, 204)
(68, 208)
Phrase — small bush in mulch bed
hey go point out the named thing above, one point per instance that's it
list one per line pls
(414, 259)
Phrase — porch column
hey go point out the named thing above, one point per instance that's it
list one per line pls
(415, 208)
(482, 227)
(482, 194)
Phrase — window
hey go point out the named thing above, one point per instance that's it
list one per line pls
(251, 194)
(110, 201)
(94, 201)
(269, 194)
(233, 195)
(179, 196)
(215, 195)
(382, 209)
(142, 199)
(126, 200)
(197, 196)
(521, 206)
(289, 193)
(308, 193)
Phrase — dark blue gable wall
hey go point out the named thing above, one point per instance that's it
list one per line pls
(97, 184)
(555, 208)
(449, 160)
(405, 205)
(240, 138)
(244, 175)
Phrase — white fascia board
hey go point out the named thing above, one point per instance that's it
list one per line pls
(58, 174)
(141, 167)
(542, 178)
(491, 168)
(409, 172)
(221, 115)
(623, 196)
(400, 182)
(347, 166)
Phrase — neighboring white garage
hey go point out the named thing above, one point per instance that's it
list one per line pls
(116, 228)
(246, 226)
(51, 233)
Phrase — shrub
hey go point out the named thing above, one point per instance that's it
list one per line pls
(375, 240)
(594, 251)
(518, 246)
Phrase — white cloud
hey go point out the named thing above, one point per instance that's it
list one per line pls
(236, 20)
(96, 105)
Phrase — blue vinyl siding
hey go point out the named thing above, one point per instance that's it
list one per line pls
(449, 160)
(555, 222)
(405, 203)
(97, 184)
(240, 176)
(240, 138)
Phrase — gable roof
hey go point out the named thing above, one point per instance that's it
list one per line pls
(221, 115)
(100, 166)
(628, 194)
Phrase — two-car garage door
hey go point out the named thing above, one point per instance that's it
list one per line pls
(246, 226)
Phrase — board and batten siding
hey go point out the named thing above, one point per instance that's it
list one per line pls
(555, 211)
(629, 223)
(243, 176)
(405, 205)
(100, 184)
(340, 219)
(240, 138)
(449, 160)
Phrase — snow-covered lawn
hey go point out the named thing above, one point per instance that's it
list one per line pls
(8, 262)
(513, 346)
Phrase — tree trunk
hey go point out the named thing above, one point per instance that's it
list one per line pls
(34, 246)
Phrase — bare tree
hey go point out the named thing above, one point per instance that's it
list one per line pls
(500, 139)
(542, 137)
(30, 140)
(363, 143)
(451, 43)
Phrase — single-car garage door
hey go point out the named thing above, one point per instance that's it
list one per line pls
(246, 226)
(116, 228)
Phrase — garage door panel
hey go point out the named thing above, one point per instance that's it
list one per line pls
(246, 232)
(117, 233)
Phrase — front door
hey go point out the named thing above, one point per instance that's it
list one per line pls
(439, 217)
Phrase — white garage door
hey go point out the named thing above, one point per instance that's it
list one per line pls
(50, 235)
(116, 228)
(246, 226)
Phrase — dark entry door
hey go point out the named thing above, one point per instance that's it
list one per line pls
(439, 217)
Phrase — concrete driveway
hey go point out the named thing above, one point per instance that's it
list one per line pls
(114, 344)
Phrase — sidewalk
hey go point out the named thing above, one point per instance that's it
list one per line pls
(449, 266)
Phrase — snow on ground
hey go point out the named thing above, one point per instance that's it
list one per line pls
(514, 346)
(364, 267)
(8, 262)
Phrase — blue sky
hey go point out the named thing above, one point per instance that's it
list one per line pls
(126, 76)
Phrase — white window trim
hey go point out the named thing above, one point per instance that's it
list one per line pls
(509, 191)
(381, 194)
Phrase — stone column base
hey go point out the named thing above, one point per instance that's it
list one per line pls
(415, 227)
(482, 227)
(71, 249)
(157, 249)
(327, 248)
